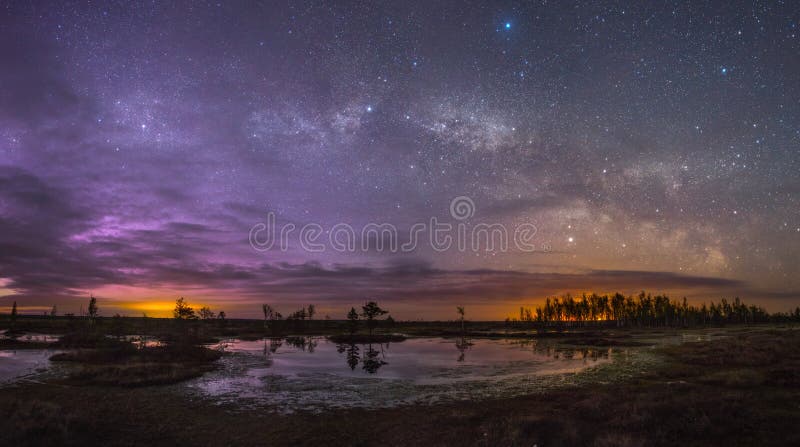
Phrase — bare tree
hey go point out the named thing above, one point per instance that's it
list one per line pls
(93, 311)
(13, 315)
(269, 314)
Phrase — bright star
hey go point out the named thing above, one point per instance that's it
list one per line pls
(508, 25)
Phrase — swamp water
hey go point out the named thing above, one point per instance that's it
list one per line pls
(313, 373)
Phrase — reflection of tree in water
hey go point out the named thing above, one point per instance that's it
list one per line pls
(271, 346)
(302, 343)
(352, 354)
(462, 344)
(352, 357)
(526, 343)
(372, 362)
(564, 352)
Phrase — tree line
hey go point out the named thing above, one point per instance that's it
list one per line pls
(645, 310)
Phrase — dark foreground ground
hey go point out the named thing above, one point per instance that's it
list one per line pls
(740, 390)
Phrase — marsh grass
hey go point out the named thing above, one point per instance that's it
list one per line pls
(123, 364)
(137, 373)
(738, 390)
(39, 422)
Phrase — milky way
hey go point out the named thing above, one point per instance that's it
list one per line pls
(653, 146)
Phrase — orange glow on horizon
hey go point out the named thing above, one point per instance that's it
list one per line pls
(159, 302)
(148, 307)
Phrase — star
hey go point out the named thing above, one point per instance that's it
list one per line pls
(544, 129)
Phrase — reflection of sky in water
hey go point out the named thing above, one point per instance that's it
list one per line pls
(314, 372)
(34, 337)
(311, 373)
(15, 365)
(417, 359)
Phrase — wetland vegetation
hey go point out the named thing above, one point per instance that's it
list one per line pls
(664, 375)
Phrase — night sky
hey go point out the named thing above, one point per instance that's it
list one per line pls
(653, 145)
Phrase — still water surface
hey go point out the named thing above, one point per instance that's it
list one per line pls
(313, 373)
(17, 365)
(308, 372)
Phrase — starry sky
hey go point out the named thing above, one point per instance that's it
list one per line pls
(654, 145)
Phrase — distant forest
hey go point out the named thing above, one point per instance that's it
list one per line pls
(617, 310)
(645, 310)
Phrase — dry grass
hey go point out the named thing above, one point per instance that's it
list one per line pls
(128, 366)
